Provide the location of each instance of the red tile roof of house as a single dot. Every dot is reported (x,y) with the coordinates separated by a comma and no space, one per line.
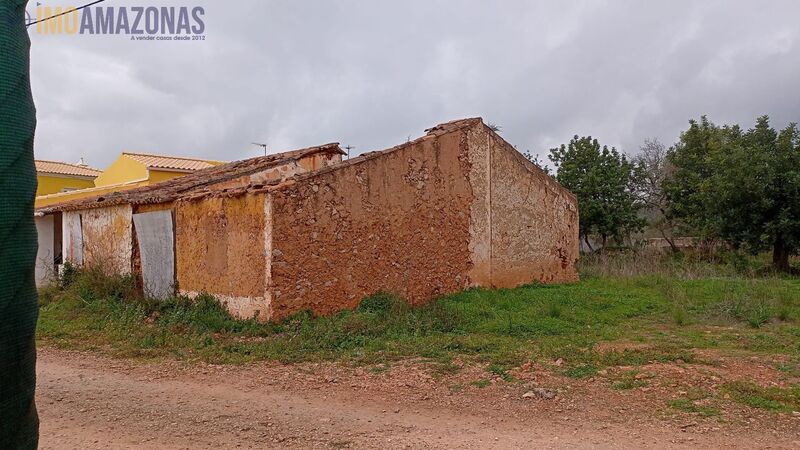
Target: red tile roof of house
(170,162)
(62,168)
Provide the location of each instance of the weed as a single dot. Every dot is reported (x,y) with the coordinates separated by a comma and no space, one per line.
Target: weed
(679,316)
(693,407)
(774,399)
(501,372)
(581,371)
(758,316)
(482,383)
(554,310)
(629,380)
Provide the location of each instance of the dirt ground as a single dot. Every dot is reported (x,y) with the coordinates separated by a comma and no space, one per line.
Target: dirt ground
(88,401)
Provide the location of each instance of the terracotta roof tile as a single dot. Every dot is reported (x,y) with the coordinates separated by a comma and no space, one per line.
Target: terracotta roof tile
(170,162)
(62,168)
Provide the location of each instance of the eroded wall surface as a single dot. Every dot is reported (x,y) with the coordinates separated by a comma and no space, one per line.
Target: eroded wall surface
(534,222)
(220,249)
(398,223)
(73,237)
(106,235)
(480,226)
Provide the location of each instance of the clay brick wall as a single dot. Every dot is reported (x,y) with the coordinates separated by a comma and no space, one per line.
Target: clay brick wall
(220,249)
(398,222)
(534,223)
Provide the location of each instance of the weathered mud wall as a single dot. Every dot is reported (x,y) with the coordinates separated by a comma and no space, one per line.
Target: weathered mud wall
(274,173)
(534,223)
(318,161)
(480,230)
(398,223)
(107,240)
(220,249)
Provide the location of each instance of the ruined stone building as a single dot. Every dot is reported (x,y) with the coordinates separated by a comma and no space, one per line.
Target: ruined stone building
(304,230)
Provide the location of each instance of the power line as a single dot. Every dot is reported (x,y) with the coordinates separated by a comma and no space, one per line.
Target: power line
(66,12)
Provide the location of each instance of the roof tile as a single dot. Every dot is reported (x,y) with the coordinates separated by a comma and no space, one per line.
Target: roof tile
(62,168)
(170,162)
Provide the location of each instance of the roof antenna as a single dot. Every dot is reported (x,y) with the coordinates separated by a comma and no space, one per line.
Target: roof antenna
(264,146)
(348,148)
(81,163)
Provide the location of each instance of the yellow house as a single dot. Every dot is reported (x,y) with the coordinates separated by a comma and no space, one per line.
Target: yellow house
(149,168)
(55,177)
(129,171)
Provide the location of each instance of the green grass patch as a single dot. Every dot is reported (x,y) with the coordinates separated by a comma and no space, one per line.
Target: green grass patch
(696,401)
(482,383)
(501,328)
(690,406)
(773,398)
(501,372)
(581,371)
(629,380)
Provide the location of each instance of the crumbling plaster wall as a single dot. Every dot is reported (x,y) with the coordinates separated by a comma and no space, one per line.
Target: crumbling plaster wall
(220,249)
(107,241)
(398,222)
(534,223)
(480,231)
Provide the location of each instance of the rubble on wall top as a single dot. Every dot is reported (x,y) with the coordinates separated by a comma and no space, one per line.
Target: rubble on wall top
(431,133)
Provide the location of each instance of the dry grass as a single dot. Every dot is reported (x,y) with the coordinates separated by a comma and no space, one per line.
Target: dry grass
(681,266)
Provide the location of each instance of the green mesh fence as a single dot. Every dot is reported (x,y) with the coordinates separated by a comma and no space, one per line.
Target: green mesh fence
(18,303)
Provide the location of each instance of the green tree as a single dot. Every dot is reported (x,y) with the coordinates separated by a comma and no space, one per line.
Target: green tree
(689,192)
(604,182)
(743,187)
(757,191)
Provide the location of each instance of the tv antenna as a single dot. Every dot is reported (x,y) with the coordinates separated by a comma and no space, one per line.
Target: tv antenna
(264,146)
(348,148)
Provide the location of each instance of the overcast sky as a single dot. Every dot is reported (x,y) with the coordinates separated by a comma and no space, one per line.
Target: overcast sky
(372,73)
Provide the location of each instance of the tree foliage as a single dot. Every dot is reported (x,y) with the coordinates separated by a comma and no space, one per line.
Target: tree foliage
(604,182)
(743,187)
(536,161)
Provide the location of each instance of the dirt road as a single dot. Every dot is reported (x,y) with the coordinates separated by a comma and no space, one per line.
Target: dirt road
(89,401)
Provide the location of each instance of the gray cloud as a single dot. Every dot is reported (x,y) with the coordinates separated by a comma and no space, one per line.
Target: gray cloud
(369,74)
